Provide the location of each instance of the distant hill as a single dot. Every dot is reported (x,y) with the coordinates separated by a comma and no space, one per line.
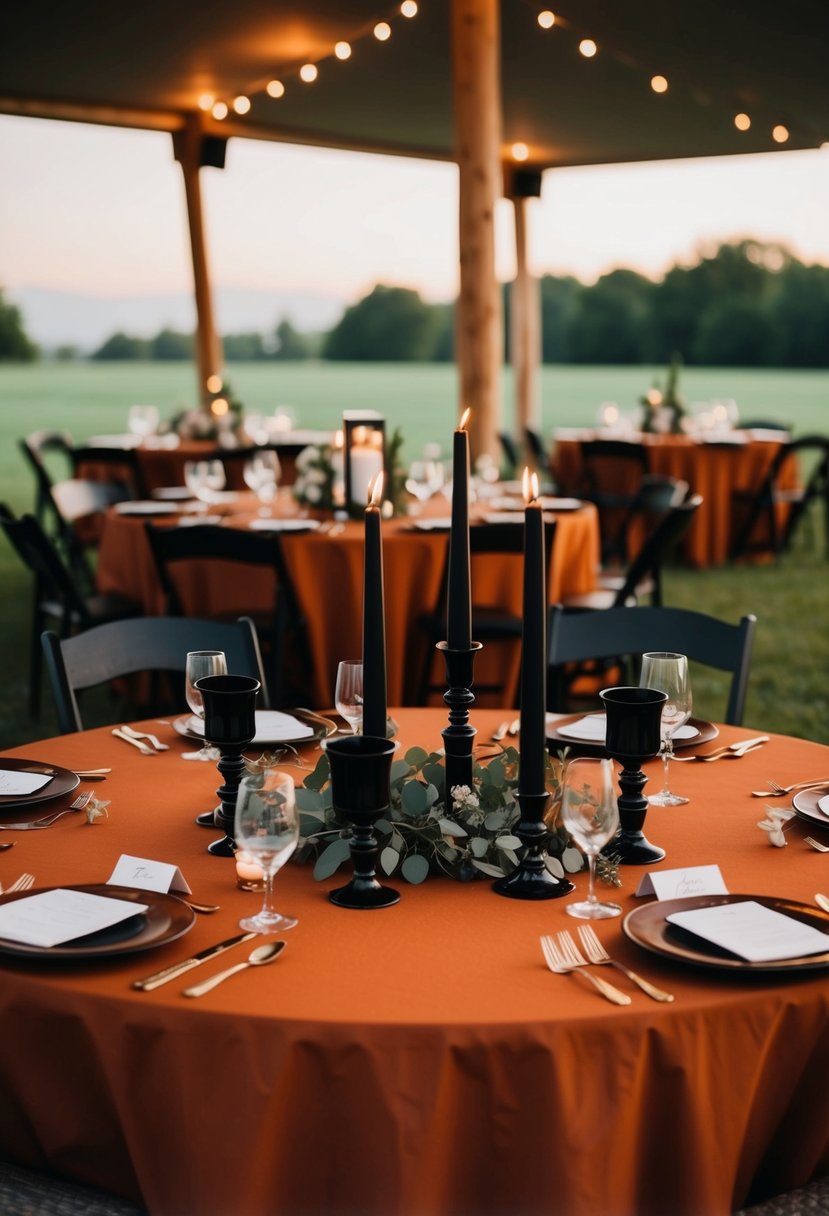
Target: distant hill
(56,318)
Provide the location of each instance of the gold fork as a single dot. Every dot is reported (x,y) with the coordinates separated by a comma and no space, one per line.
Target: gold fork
(563,964)
(596,953)
(776,790)
(816,844)
(23,883)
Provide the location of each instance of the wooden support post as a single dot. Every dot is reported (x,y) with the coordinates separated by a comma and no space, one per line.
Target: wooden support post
(188,148)
(525,332)
(479,328)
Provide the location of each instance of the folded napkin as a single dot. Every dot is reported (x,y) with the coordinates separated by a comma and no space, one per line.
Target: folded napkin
(284,525)
(271,727)
(591,729)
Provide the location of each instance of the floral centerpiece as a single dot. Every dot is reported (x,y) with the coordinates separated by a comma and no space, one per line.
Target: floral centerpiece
(470,835)
(664,410)
(220,421)
(319,482)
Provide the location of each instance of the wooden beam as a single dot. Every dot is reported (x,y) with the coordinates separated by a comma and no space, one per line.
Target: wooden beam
(479,329)
(188,149)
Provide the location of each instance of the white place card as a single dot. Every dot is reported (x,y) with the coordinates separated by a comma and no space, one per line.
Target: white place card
(51,918)
(679,884)
(147,875)
(17,784)
(753,932)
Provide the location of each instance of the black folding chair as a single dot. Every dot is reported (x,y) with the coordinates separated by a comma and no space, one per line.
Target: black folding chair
(612,475)
(616,634)
(37,448)
(768,518)
(145,644)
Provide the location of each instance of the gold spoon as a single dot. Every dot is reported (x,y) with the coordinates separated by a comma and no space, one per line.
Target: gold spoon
(199,907)
(257,958)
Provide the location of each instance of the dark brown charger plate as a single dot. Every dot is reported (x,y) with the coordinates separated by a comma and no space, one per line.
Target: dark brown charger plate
(805,804)
(647,927)
(707,732)
(166,919)
(63,782)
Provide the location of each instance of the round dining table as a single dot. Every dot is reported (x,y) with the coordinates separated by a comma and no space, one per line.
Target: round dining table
(719,469)
(325,563)
(416,1060)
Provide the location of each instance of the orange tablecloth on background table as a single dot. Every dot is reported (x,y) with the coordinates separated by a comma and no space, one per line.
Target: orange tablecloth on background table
(328,574)
(713,470)
(419,1060)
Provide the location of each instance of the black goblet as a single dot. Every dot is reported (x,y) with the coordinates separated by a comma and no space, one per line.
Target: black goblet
(633,735)
(229,724)
(360,792)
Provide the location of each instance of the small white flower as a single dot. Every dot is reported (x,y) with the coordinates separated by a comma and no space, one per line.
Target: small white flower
(773,824)
(463,798)
(313,493)
(306,457)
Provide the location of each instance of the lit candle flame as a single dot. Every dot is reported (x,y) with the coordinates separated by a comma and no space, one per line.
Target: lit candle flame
(529,485)
(338,439)
(375,490)
(464,419)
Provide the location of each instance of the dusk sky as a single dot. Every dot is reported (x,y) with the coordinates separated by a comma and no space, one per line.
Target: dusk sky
(100,211)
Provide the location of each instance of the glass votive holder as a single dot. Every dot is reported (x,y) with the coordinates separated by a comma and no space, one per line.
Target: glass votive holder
(249,876)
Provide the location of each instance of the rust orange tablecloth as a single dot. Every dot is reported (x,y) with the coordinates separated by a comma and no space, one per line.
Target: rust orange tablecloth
(713,470)
(328,575)
(420,1060)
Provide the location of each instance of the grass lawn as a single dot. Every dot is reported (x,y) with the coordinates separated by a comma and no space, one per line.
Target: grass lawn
(789,689)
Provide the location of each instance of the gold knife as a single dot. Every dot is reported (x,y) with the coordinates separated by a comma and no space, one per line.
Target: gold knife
(170,973)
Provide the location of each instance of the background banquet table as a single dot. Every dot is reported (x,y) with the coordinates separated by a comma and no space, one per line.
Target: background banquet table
(327,571)
(716,470)
(420,1059)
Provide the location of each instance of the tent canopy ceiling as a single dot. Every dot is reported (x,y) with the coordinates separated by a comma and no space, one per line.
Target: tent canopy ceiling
(148,65)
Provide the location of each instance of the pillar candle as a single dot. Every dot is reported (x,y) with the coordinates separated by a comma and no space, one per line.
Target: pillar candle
(459,597)
(533,646)
(374,620)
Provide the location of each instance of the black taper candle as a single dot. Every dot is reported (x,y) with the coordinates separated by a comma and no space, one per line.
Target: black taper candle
(374,620)
(459,596)
(531,778)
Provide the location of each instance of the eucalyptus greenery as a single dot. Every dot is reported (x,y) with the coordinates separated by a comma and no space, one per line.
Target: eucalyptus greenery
(422,835)
(314,483)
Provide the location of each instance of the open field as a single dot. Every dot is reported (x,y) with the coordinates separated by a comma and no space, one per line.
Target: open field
(789,691)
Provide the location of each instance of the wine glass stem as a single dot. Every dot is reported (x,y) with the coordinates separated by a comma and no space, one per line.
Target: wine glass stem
(591,878)
(667,753)
(267,903)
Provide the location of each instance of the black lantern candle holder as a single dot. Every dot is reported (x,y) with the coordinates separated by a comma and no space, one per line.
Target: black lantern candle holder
(364,433)
(633,735)
(229,724)
(361,793)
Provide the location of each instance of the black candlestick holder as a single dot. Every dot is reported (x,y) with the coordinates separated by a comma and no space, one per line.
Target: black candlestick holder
(361,793)
(458,735)
(229,724)
(633,735)
(531,879)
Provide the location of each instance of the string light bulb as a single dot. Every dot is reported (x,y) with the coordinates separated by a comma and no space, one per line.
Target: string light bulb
(241,105)
(546,19)
(308,73)
(275,88)
(343,50)
(742,122)
(520,151)
(206,101)
(408,8)
(219,110)
(588,48)
(382,31)
(780,134)
(659,84)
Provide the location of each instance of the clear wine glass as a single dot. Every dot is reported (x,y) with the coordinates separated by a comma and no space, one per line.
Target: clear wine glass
(143,420)
(261,474)
(591,816)
(267,829)
(348,693)
(202,663)
(668,672)
(425,477)
(204,478)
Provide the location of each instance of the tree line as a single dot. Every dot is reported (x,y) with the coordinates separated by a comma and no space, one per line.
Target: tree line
(743,304)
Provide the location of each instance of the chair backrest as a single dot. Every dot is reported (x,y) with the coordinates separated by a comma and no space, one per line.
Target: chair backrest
(576,637)
(53,578)
(35,447)
(612,458)
(485,540)
(656,548)
(763,503)
(122,467)
(535,445)
(510,450)
(142,644)
(77,498)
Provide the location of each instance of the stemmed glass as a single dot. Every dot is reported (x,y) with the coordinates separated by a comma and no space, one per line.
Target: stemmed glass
(348,693)
(668,672)
(202,663)
(591,816)
(267,829)
(424,479)
(142,420)
(261,474)
(204,478)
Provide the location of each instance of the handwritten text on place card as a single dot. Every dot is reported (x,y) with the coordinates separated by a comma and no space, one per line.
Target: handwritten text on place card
(147,875)
(17,784)
(53,917)
(753,931)
(679,884)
